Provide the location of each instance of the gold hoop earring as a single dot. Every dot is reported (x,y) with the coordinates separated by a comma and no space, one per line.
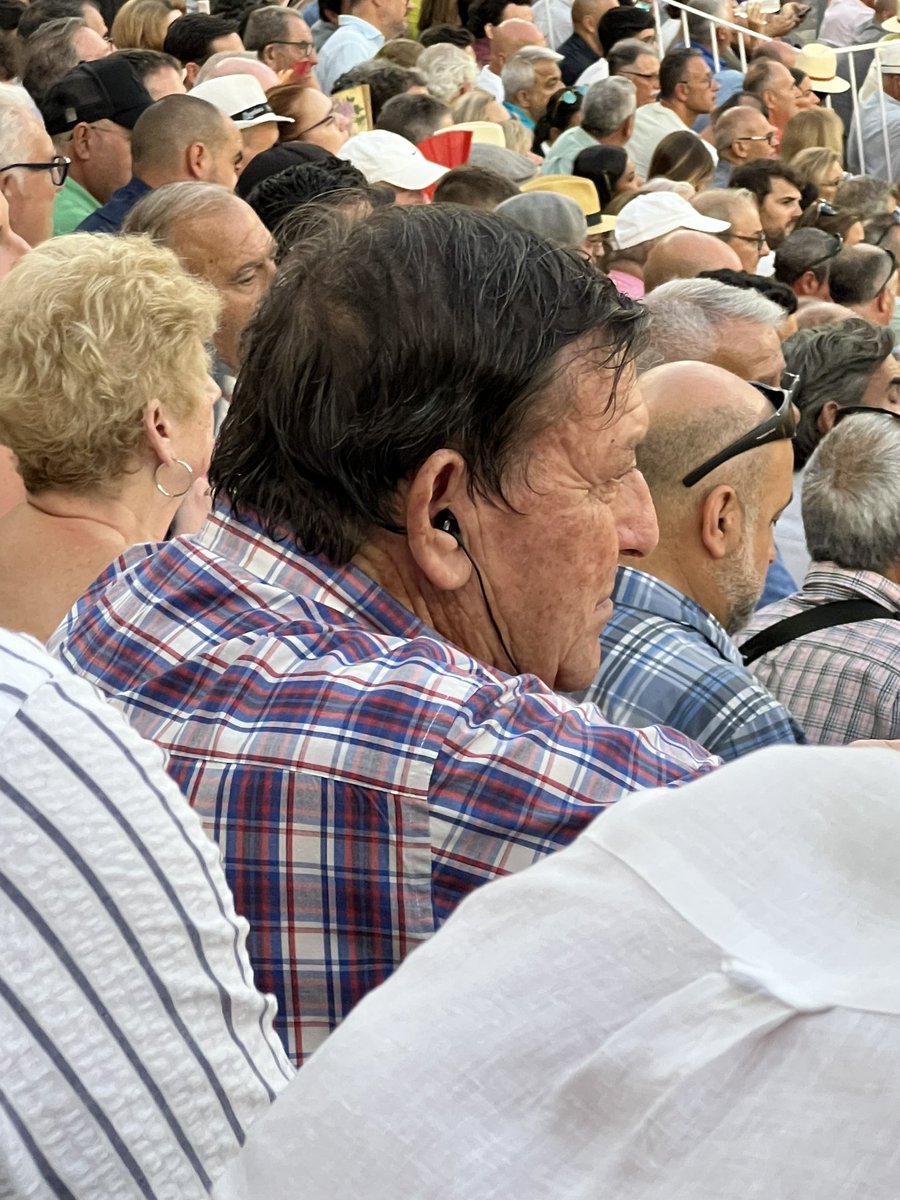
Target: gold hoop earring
(187,487)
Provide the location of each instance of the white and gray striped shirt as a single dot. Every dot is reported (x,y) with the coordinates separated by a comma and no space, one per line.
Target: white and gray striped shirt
(135,1051)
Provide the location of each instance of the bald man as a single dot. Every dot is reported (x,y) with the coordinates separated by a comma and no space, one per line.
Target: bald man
(741,135)
(583,48)
(178,139)
(684,254)
(666,654)
(507,39)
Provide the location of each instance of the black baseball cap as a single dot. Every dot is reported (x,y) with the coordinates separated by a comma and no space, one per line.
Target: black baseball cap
(109,89)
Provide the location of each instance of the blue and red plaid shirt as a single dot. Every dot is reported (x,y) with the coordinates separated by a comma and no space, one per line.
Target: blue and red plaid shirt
(360,774)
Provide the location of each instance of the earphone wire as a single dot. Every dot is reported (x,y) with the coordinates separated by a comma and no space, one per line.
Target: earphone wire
(487,605)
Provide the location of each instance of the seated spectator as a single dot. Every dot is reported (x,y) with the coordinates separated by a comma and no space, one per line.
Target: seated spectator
(276,200)
(687,91)
(384,80)
(238,62)
(841,365)
(717,460)
(437,35)
(507,39)
(30,170)
(343,625)
(583,48)
(813,313)
(787,853)
(414,117)
(609,169)
(241,98)
(637,61)
(884,230)
(529,79)
(279,158)
(640,225)
(841,680)
(387,158)
(218,238)
(314,120)
(563,113)
(822,168)
(803,261)
(845,223)
(777,192)
(42,11)
(178,138)
(557,219)
(741,136)
(90,114)
(683,255)
(195,37)
(479,105)
(406,53)
(283,41)
(474,187)
(682,156)
(881,108)
(360,33)
(159,73)
(607,118)
(738,207)
(814,129)
(866,196)
(136,1052)
(772,83)
(330,11)
(622,23)
(449,72)
(143,24)
(864,279)
(486,16)
(517,168)
(708,321)
(107,440)
(766,286)
(54,50)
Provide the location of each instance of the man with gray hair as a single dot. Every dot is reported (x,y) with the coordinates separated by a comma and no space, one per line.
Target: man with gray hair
(864,279)
(741,135)
(708,321)
(529,80)
(30,170)
(831,652)
(507,39)
(639,62)
(281,38)
(738,207)
(607,118)
(449,72)
(54,49)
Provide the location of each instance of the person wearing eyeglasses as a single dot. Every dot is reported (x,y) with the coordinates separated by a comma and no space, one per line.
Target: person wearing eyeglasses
(717,459)
(864,279)
(687,90)
(744,234)
(831,651)
(283,41)
(741,135)
(638,62)
(31,172)
(315,121)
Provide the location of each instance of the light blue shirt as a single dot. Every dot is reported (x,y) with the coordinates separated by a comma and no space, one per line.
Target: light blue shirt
(564,151)
(356,41)
(873,138)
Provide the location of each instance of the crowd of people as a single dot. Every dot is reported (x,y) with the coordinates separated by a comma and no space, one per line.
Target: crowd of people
(440,446)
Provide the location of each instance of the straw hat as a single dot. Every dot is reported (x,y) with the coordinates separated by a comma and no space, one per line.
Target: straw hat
(820,64)
(484,133)
(582,191)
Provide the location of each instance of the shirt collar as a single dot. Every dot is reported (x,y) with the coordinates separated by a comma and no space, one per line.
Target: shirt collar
(364,27)
(837,583)
(638,590)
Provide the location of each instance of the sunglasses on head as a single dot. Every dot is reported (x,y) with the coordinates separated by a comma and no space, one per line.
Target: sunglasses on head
(894,219)
(779,427)
(861,408)
(834,250)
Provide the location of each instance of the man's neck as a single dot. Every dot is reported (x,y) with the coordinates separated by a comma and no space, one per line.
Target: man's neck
(671,572)
(680,110)
(591,41)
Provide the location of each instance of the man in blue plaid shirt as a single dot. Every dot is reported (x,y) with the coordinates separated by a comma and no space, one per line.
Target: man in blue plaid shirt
(423,485)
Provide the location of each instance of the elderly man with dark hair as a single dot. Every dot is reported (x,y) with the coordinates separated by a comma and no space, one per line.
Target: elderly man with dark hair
(607,118)
(687,90)
(357,666)
(864,278)
(717,460)
(832,651)
(859,355)
(177,139)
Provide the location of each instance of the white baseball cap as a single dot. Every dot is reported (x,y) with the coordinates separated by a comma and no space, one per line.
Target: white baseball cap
(240,97)
(655,215)
(385,157)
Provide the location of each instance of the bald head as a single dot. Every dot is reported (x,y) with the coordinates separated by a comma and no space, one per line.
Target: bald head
(509,37)
(739,123)
(228,63)
(812,312)
(184,138)
(684,254)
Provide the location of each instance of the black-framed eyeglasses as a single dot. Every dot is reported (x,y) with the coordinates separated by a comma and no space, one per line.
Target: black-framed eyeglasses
(757,137)
(834,249)
(779,427)
(304,47)
(758,239)
(642,74)
(861,408)
(58,168)
(894,220)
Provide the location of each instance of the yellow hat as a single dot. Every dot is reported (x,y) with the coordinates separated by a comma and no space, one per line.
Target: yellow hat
(486,133)
(582,191)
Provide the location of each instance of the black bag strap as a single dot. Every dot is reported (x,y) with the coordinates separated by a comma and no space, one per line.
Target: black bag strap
(823,616)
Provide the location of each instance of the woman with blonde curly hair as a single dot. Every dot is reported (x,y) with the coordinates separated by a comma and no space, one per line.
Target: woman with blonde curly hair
(143,24)
(107,404)
(479,105)
(820,166)
(815,127)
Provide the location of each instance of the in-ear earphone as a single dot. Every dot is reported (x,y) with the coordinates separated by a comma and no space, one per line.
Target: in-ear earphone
(447,523)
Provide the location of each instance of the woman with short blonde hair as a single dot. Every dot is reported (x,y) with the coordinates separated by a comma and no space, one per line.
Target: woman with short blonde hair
(106,402)
(820,166)
(814,127)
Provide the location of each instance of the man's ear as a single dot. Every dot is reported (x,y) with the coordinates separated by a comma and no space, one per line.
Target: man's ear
(825,419)
(79,147)
(191,71)
(439,484)
(721,522)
